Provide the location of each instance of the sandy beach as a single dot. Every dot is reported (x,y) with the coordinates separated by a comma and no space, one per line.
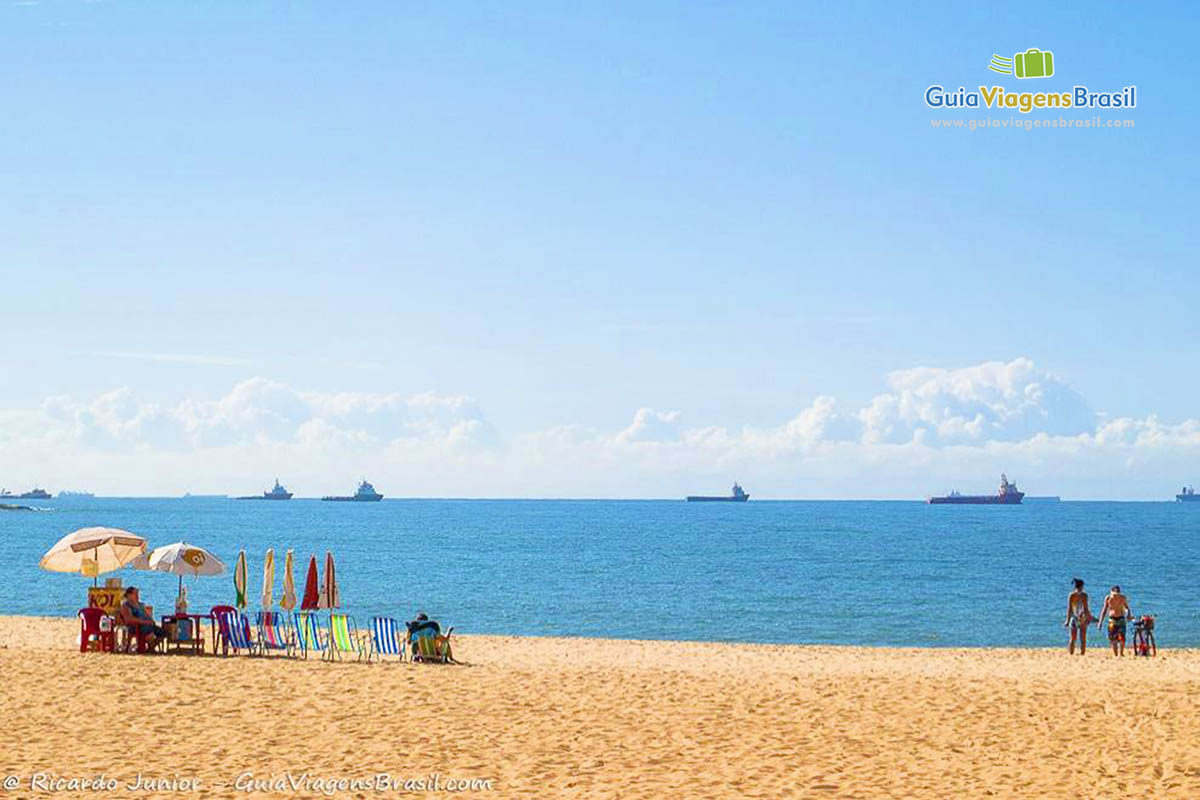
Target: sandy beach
(529,717)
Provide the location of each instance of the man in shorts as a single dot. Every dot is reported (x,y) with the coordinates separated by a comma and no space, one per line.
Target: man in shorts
(1116,608)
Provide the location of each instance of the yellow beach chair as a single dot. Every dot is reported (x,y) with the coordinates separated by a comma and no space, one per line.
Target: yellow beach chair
(343,637)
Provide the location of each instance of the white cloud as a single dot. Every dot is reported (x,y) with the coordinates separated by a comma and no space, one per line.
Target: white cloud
(260,411)
(990,402)
(651,426)
(932,430)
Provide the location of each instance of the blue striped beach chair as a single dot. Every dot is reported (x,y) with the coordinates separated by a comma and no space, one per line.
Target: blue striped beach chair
(386,639)
(307,626)
(234,629)
(273,633)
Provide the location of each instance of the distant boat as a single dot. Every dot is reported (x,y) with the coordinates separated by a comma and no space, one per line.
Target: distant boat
(34,494)
(1008,495)
(366,494)
(70,493)
(1188,495)
(277,493)
(736,495)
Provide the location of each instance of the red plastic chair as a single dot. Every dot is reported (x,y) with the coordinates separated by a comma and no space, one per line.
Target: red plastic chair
(89,627)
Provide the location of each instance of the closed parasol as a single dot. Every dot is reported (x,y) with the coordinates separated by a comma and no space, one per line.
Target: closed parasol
(329,589)
(288,601)
(310,600)
(268,592)
(239,580)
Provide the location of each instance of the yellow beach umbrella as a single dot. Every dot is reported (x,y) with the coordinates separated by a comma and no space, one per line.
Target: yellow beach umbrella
(288,601)
(268,592)
(239,580)
(93,551)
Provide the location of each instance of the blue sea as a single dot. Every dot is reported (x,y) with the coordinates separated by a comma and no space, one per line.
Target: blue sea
(863,573)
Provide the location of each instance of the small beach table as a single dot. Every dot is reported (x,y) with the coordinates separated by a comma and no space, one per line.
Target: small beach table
(193,645)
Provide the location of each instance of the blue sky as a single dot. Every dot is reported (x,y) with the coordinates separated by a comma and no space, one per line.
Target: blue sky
(719,211)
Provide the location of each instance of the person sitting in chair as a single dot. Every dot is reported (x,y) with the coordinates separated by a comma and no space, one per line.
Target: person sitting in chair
(422,627)
(134,617)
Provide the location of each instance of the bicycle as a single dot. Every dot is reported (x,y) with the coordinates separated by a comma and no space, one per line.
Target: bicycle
(1143,636)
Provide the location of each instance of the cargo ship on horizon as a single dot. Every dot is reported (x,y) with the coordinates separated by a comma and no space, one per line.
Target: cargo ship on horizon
(1188,495)
(736,495)
(366,494)
(1008,495)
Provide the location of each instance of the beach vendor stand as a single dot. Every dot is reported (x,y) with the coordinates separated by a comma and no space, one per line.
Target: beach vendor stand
(92,552)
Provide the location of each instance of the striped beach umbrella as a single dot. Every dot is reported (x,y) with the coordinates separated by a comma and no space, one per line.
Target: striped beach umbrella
(288,601)
(329,588)
(310,600)
(268,592)
(239,580)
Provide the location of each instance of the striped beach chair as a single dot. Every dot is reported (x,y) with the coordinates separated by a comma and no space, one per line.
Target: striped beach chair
(309,636)
(273,633)
(343,637)
(386,639)
(234,630)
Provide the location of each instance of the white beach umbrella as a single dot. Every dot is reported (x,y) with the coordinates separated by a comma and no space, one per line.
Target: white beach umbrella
(268,591)
(93,551)
(288,601)
(182,559)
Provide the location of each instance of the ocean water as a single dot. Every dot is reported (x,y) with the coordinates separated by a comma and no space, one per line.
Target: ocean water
(867,573)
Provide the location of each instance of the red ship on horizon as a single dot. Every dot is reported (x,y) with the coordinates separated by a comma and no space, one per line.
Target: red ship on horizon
(1008,495)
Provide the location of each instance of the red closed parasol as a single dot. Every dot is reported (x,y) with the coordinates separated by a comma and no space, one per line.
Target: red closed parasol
(311,598)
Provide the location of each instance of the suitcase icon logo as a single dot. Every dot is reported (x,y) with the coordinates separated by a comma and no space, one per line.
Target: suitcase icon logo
(1033,63)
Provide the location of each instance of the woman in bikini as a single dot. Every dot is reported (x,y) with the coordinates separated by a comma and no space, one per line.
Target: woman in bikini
(1078,617)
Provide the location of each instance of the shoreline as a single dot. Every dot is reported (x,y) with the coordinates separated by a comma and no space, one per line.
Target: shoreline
(1097,640)
(541,716)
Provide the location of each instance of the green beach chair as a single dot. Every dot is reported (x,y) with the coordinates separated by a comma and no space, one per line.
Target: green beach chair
(429,645)
(343,637)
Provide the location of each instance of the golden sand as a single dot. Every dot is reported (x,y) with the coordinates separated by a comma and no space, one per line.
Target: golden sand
(601,718)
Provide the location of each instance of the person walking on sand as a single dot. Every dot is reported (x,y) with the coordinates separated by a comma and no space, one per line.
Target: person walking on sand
(1116,608)
(1079,616)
